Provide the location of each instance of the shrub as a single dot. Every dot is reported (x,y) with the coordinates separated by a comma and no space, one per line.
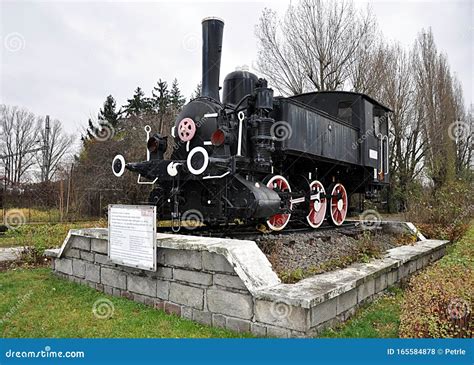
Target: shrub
(439,300)
(438,303)
(453,204)
(452,232)
(442,214)
(32,255)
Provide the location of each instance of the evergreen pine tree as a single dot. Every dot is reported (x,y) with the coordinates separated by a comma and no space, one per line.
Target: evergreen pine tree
(108,114)
(138,104)
(161,97)
(177,100)
(197,91)
(91,130)
(161,101)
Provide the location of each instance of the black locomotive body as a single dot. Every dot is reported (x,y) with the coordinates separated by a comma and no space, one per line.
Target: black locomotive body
(256,158)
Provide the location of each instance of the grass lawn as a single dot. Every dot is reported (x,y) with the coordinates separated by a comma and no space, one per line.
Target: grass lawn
(8,242)
(34,303)
(37,215)
(45,235)
(379,319)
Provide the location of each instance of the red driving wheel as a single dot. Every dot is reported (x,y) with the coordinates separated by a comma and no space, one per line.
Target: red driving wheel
(339,204)
(279,221)
(317,204)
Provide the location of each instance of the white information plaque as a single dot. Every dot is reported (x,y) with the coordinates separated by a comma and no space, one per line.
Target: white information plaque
(132,235)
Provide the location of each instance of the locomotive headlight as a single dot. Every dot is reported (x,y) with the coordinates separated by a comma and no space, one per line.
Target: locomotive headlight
(218,138)
(152,144)
(156,143)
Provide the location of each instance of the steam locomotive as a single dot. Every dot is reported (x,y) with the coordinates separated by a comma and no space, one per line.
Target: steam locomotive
(259,159)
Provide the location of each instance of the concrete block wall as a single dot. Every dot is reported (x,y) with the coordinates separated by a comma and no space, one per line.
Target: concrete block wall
(313,304)
(230,283)
(201,286)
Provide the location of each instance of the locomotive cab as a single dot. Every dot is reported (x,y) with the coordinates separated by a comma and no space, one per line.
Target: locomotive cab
(368,118)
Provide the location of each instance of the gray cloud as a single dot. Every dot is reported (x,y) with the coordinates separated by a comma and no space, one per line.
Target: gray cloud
(76,53)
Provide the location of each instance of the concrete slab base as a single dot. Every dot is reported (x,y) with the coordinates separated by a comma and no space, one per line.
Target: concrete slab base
(10,253)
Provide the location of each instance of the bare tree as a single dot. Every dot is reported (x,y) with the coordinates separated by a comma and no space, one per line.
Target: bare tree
(368,70)
(277,59)
(314,47)
(18,138)
(397,89)
(59,144)
(435,95)
(462,131)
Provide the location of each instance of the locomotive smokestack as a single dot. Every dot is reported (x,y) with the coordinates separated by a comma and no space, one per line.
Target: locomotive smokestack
(212,30)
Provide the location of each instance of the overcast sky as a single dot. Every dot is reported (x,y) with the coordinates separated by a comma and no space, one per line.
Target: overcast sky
(63,58)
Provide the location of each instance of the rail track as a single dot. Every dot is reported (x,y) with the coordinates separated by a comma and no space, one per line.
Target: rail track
(246,232)
(241,231)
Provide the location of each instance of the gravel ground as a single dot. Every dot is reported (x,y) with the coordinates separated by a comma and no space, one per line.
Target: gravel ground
(299,255)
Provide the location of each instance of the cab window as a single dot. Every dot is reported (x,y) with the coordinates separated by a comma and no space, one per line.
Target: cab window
(344,111)
(376,126)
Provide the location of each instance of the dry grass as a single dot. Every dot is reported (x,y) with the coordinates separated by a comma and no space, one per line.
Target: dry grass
(439,301)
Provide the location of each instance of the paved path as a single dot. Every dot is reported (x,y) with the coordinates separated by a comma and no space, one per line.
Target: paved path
(10,253)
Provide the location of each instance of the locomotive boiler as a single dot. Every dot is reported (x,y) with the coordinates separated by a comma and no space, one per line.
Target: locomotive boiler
(256,158)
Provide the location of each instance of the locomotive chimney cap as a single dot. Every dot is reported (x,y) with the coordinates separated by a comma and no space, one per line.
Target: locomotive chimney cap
(212,31)
(212,18)
(242,68)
